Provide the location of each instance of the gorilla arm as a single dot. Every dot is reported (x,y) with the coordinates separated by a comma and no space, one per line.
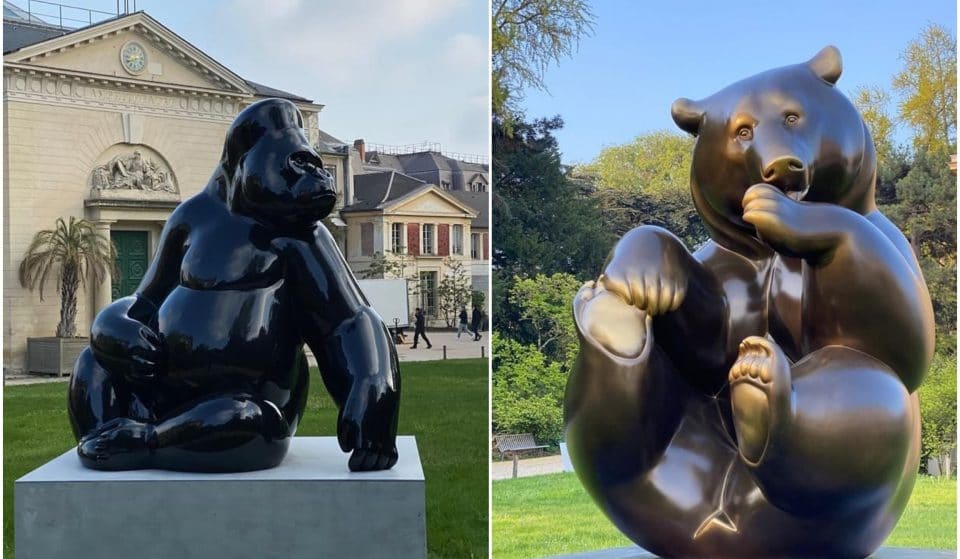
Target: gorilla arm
(123,336)
(863,288)
(357,360)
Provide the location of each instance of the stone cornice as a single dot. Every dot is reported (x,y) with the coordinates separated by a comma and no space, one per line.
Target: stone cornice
(131,204)
(66,89)
(120,82)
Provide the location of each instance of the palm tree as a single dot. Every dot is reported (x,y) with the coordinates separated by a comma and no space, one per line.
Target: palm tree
(78,251)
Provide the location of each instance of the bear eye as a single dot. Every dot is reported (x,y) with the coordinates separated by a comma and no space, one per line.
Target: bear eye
(791,120)
(745,133)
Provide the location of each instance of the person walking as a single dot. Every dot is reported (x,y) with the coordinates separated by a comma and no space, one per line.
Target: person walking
(477,319)
(462,327)
(420,329)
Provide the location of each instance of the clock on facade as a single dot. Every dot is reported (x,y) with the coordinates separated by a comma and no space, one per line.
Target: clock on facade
(133,57)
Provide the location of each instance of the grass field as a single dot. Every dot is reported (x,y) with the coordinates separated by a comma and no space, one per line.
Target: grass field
(444,405)
(552,514)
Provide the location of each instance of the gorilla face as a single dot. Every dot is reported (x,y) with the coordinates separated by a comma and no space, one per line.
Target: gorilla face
(284,179)
(275,175)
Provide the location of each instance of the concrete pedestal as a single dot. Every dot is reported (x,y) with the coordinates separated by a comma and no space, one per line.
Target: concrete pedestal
(882,553)
(309,506)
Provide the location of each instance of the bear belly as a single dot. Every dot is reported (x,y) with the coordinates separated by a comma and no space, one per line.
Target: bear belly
(228,337)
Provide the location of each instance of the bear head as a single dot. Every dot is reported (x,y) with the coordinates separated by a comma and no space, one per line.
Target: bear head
(271,171)
(789,127)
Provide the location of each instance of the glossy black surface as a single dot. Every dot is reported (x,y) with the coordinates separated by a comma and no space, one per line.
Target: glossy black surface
(757,397)
(203,368)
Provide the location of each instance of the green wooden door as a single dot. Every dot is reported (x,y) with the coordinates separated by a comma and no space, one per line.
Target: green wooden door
(132,247)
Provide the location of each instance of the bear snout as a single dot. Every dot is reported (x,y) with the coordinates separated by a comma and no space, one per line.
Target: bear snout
(788,173)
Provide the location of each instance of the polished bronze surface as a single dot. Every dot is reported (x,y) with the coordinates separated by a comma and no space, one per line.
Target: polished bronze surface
(757,397)
(203,368)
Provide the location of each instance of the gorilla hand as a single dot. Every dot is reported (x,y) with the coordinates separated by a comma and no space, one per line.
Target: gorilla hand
(125,344)
(618,327)
(367,425)
(648,269)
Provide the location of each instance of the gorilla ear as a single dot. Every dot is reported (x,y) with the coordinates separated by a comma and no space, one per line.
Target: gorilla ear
(687,114)
(827,64)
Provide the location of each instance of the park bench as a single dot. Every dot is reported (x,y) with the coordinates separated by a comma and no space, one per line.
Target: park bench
(513,445)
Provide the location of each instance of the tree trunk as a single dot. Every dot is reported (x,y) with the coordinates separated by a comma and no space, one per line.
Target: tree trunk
(69,284)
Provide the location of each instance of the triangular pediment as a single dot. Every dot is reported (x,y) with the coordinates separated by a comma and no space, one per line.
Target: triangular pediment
(96,50)
(429,200)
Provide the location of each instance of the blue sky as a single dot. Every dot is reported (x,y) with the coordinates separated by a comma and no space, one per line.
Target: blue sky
(389,71)
(643,55)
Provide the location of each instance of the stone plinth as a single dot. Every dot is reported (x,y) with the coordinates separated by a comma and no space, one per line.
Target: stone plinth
(882,553)
(309,506)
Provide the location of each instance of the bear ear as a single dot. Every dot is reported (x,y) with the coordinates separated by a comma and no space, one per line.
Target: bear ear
(687,114)
(827,64)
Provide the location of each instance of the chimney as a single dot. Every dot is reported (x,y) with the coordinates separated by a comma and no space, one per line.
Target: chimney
(361,147)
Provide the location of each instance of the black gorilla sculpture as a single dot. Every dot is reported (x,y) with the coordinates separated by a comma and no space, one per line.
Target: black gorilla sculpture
(203,368)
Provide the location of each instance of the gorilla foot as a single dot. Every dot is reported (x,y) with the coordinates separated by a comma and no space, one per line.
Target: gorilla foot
(119,444)
(760,387)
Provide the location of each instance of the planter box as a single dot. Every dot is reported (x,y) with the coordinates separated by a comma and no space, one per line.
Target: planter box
(54,356)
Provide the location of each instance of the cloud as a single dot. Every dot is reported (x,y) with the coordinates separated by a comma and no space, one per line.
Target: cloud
(340,38)
(394,71)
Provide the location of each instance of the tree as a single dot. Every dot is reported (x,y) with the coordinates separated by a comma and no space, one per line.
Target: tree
(653,162)
(453,291)
(527,391)
(925,210)
(544,302)
(544,223)
(381,266)
(646,181)
(527,36)
(938,411)
(78,251)
(928,86)
(872,102)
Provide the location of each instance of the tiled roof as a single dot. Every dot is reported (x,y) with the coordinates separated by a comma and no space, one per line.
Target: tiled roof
(372,190)
(478,201)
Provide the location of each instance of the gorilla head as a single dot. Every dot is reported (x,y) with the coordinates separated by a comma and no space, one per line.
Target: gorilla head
(272,173)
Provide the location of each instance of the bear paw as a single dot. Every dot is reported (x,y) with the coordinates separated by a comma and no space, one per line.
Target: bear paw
(760,391)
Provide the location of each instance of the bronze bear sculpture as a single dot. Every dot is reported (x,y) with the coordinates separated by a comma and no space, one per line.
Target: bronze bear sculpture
(757,397)
(203,368)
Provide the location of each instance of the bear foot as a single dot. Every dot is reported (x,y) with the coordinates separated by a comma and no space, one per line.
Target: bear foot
(760,388)
(119,444)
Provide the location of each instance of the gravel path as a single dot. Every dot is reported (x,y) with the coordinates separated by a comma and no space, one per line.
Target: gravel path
(527,467)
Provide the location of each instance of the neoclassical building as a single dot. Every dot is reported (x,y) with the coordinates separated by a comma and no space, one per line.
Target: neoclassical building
(120,121)
(424,212)
(117,123)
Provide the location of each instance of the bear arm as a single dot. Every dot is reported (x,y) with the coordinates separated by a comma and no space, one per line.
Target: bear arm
(865,294)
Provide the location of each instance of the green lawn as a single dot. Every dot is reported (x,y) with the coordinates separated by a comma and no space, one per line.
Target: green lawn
(552,514)
(444,405)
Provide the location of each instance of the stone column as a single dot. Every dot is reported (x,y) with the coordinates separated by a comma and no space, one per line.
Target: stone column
(103,291)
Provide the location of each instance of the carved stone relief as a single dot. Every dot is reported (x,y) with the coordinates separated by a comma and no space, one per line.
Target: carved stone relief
(132,171)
